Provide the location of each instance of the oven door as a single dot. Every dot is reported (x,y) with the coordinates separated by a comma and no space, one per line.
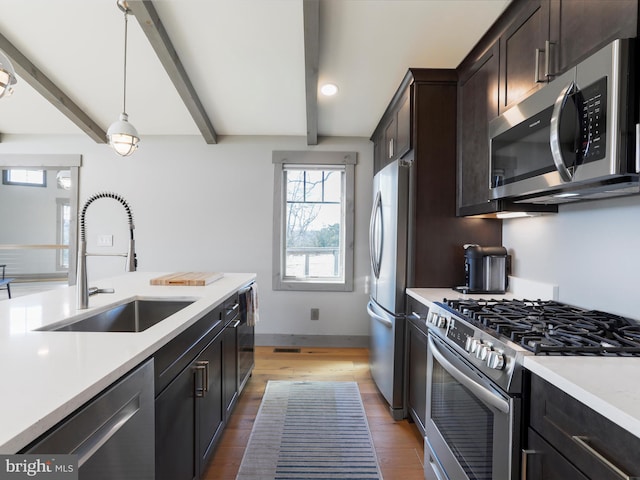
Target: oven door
(472,428)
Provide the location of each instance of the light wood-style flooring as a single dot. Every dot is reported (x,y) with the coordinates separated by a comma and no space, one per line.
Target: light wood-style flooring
(398,444)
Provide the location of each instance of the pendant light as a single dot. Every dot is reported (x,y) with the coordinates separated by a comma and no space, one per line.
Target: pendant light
(7,76)
(121,135)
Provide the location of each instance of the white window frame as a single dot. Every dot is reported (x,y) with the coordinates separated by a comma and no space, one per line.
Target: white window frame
(312,159)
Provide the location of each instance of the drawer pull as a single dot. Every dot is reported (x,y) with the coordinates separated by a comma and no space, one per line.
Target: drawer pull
(583,442)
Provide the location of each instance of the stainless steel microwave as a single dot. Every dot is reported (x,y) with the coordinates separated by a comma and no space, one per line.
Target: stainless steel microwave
(575,138)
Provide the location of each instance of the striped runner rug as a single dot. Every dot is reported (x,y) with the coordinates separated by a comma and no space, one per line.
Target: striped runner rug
(310,430)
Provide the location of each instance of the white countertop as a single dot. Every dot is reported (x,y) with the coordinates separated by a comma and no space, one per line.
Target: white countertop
(47,375)
(608,385)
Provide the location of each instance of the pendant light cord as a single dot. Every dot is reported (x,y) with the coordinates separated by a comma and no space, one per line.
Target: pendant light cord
(124,93)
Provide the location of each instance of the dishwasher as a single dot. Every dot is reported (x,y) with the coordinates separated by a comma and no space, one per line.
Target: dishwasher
(112,434)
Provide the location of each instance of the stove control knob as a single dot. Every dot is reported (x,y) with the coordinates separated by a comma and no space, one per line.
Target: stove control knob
(441,322)
(474,345)
(468,344)
(495,360)
(482,351)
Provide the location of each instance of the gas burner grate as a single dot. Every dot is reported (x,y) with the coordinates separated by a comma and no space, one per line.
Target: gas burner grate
(547,327)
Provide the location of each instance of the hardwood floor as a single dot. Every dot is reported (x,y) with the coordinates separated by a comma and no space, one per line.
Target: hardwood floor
(398,444)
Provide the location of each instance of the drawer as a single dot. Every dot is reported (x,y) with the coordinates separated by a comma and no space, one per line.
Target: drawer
(544,462)
(231,308)
(594,444)
(417,314)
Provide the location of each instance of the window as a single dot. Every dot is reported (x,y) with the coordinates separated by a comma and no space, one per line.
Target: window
(313,221)
(63,228)
(25,177)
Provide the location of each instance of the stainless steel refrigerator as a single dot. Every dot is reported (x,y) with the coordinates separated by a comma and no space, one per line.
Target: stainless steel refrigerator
(388,239)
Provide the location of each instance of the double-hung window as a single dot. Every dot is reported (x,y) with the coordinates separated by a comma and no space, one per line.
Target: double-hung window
(313,221)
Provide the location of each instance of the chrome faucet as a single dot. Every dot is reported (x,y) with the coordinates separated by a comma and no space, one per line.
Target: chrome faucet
(82,289)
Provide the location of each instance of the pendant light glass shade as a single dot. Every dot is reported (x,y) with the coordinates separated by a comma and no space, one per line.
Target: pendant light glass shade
(7,76)
(121,135)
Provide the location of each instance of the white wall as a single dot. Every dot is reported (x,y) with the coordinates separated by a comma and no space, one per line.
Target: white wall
(591,250)
(200,207)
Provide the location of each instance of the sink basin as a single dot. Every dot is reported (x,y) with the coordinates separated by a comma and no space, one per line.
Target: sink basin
(134,316)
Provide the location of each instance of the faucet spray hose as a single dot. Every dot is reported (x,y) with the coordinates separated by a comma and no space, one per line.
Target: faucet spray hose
(95,197)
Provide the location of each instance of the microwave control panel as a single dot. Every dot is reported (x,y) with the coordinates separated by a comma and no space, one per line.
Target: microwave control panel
(594,121)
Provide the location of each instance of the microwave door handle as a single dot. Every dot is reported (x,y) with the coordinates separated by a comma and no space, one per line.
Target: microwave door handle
(554,136)
(375,230)
(484,394)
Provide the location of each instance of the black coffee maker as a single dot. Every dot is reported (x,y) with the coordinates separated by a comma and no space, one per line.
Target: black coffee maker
(486,269)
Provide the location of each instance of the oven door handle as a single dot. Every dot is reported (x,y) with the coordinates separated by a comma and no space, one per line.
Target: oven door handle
(487,396)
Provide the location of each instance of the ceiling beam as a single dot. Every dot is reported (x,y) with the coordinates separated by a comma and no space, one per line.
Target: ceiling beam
(50,91)
(311,15)
(152,26)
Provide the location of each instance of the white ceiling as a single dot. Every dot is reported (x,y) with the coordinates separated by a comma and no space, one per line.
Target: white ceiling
(245,59)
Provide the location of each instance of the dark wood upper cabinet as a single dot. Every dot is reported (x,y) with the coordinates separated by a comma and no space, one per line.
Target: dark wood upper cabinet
(392,138)
(522,54)
(580,27)
(477,104)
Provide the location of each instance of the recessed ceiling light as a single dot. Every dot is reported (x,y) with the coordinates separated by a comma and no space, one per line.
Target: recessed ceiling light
(329,89)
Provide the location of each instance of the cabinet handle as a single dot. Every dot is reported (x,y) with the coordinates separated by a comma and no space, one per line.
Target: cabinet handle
(583,442)
(547,63)
(547,59)
(202,367)
(391,148)
(523,463)
(536,67)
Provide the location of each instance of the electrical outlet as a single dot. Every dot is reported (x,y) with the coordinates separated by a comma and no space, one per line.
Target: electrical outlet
(315,314)
(105,240)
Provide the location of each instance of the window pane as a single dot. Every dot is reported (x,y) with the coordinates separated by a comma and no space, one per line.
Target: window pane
(294,180)
(314,186)
(313,228)
(333,186)
(22,176)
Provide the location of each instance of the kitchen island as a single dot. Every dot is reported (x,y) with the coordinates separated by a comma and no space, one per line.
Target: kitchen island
(47,375)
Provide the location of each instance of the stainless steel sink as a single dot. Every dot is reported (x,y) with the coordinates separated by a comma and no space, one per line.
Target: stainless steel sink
(134,316)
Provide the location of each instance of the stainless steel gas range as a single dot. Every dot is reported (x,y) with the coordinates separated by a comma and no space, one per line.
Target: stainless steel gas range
(475,376)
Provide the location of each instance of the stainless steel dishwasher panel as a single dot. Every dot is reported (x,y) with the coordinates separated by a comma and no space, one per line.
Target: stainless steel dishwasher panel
(113,434)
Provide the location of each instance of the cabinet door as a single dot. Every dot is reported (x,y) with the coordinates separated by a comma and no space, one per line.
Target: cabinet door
(579,28)
(403,122)
(417,375)
(209,412)
(477,105)
(518,59)
(230,367)
(175,429)
(390,141)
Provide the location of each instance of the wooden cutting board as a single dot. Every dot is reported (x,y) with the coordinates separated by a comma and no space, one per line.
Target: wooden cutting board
(188,279)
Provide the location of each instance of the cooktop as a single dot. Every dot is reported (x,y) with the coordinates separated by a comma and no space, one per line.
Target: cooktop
(547,327)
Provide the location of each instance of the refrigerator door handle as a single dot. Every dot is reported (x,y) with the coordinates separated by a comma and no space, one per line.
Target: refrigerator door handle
(375,235)
(386,322)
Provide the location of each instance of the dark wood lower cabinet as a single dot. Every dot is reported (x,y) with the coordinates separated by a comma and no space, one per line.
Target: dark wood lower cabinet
(209,410)
(417,373)
(192,411)
(230,367)
(175,429)
(567,440)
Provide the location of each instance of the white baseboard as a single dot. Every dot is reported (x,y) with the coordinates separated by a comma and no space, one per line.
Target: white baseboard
(283,340)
